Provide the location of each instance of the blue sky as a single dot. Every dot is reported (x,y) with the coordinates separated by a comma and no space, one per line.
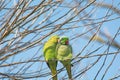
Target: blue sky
(78,44)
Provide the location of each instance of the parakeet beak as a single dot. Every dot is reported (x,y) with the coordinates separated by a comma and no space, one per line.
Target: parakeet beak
(67,42)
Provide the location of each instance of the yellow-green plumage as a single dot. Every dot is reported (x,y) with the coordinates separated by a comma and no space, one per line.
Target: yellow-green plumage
(64,54)
(50,55)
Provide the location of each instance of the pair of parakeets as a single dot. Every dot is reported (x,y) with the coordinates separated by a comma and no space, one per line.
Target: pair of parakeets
(58,49)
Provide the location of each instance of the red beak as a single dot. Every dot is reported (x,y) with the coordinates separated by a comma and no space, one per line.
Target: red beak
(67,42)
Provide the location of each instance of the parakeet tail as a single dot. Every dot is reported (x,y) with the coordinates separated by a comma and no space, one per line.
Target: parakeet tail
(67,65)
(68,68)
(52,65)
(54,74)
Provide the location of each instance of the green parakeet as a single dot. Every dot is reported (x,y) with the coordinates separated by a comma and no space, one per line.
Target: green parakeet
(64,54)
(50,56)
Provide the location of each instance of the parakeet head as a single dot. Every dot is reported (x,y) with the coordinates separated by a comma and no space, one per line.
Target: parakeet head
(64,40)
(54,38)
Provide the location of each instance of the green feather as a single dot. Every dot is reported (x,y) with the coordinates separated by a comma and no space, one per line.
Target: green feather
(49,54)
(64,54)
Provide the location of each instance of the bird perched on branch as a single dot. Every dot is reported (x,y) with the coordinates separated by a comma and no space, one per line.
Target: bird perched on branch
(64,54)
(50,56)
